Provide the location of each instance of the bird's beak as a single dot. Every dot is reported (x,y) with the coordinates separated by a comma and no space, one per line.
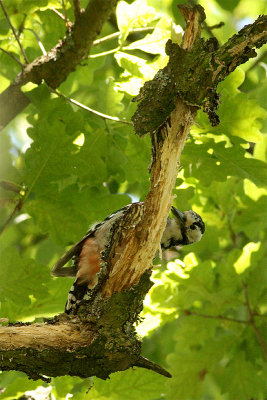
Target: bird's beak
(178,214)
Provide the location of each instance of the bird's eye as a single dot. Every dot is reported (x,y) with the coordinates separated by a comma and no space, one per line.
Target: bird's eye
(192,227)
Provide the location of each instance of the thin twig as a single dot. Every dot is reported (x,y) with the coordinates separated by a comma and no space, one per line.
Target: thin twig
(221,317)
(208,29)
(255,314)
(14,32)
(204,23)
(216,26)
(12,55)
(148,364)
(117,35)
(104,116)
(64,9)
(38,40)
(58,13)
(11,216)
(11,186)
(105,53)
(257,61)
(77,8)
(113,36)
(21,26)
(252,321)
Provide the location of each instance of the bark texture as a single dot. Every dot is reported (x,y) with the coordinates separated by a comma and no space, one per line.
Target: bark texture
(59,62)
(94,343)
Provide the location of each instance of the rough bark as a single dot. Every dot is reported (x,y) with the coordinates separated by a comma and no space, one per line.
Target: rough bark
(91,344)
(59,62)
(101,339)
(193,76)
(144,227)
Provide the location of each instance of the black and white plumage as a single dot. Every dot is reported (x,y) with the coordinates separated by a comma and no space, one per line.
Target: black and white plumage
(183,229)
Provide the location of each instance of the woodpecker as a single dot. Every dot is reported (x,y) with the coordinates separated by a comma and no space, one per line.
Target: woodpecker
(183,229)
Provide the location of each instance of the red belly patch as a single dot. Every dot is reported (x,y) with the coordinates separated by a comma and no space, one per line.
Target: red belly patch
(89,263)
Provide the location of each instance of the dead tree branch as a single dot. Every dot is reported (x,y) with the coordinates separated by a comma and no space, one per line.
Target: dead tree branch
(59,62)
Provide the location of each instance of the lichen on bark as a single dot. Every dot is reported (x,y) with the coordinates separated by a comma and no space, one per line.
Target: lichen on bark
(193,76)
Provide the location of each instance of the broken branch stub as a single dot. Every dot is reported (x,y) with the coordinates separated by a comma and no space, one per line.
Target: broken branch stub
(193,72)
(136,244)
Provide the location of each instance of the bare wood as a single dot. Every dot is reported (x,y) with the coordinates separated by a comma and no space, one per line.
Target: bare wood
(94,343)
(142,241)
(44,336)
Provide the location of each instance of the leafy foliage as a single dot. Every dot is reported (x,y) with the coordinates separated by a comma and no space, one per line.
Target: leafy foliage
(74,168)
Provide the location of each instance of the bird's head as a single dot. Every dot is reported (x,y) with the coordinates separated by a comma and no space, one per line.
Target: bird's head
(191,225)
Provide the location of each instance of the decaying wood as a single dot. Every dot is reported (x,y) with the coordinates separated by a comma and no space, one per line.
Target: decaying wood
(140,244)
(91,344)
(42,336)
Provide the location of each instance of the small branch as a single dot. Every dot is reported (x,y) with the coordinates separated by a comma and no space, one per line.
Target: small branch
(252,321)
(105,53)
(12,56)
(77,8)
(113,36)
(21,26)
(117,35)
(216,26)
(38,40)
(255,314)
(257,61)
(11,216)
(208,28)
(64,9)
(61,60)
(204,23)
(247,301)
(221,317)
(14,32)
(82,106)
(11,186)
(59,14)
(145,363)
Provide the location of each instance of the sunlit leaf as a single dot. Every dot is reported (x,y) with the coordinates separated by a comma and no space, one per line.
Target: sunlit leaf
(234,106)
(243,261)
(137,14)
(142,383)
(155,42)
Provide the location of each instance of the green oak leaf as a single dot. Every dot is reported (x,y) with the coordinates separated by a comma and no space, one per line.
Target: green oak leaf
(239,115)
(130,16)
